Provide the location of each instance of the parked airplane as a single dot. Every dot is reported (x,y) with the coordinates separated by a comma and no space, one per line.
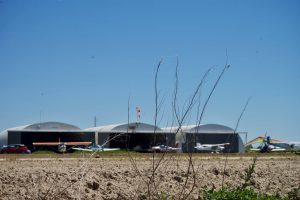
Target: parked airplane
(210,148)
(164,148)
(61,146)
(97,147)
(267,145)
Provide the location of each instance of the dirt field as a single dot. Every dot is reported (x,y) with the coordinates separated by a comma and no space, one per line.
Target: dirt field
(106,177)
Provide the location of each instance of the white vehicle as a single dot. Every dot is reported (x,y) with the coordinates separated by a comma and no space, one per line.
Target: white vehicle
(210,148)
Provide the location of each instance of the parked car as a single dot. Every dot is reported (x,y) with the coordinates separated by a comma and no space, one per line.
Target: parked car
(15,148)
(1,147)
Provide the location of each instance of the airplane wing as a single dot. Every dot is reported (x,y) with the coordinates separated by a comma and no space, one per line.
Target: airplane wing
(262,139)
(82,149)
(222,144)
(58,143)
(272,150)
(46,143)
(276,141)
(278,150)
(259,139)
(215,145)
(255,149)
(100,149)
(164,148)
(77,143)
(110,149)
(173,149)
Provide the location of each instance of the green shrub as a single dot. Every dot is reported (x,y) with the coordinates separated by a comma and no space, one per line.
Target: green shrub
(238,194)
(244,192)
(294,194)
(249,174)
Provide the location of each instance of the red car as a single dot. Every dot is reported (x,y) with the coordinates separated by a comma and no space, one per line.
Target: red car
(15,148)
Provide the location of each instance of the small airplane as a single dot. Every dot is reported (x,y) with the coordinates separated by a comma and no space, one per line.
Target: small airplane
(61,146)
(96,147)
(210,148)
(164,148)
(267,145)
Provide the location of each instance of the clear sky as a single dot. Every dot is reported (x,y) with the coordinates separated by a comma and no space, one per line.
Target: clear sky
(73,60)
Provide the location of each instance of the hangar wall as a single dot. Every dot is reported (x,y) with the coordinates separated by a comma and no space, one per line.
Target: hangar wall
(142,141)
(135,136)
(95,137)
(41,132)
(3,137)
(14,137)
(211,138)
(189,135)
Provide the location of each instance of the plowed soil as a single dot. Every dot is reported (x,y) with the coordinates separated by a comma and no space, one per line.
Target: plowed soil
(126,177)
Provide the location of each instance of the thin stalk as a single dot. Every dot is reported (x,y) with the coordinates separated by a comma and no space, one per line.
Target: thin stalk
(235,132)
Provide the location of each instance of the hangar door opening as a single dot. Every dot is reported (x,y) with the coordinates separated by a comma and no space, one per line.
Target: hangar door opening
(27,138)
(137,141)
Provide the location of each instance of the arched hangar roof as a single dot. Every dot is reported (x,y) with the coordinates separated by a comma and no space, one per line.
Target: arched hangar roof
(135,127)
(39,127)
(203,128)
(211,128)
(46,126)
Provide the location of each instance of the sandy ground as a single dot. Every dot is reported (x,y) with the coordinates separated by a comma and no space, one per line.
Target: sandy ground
(119,177)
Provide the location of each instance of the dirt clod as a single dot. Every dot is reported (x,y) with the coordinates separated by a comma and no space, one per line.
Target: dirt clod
(178,179)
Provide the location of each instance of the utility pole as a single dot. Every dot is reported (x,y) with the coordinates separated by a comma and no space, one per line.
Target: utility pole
(96,133)
(95,121)
(42,94)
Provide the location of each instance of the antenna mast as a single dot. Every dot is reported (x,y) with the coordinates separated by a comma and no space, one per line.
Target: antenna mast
(42,94)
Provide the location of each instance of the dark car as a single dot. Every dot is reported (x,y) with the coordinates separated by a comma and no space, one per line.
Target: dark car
(15,148)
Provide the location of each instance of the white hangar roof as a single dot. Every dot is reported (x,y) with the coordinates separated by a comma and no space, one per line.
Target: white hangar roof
(203,128)
(39,127)
(46,126)
(135,127)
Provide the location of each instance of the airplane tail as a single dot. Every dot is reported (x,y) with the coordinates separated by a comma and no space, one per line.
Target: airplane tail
(268,140)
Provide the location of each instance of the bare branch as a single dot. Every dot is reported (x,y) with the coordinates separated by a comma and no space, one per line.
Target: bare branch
(235,132)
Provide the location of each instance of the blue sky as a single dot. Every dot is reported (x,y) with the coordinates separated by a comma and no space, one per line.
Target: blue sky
(73,60)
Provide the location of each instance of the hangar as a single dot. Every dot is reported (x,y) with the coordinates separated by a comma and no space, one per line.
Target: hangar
(135,136)
(188,136)
(42,132)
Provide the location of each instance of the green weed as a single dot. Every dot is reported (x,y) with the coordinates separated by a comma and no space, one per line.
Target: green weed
(238,194)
